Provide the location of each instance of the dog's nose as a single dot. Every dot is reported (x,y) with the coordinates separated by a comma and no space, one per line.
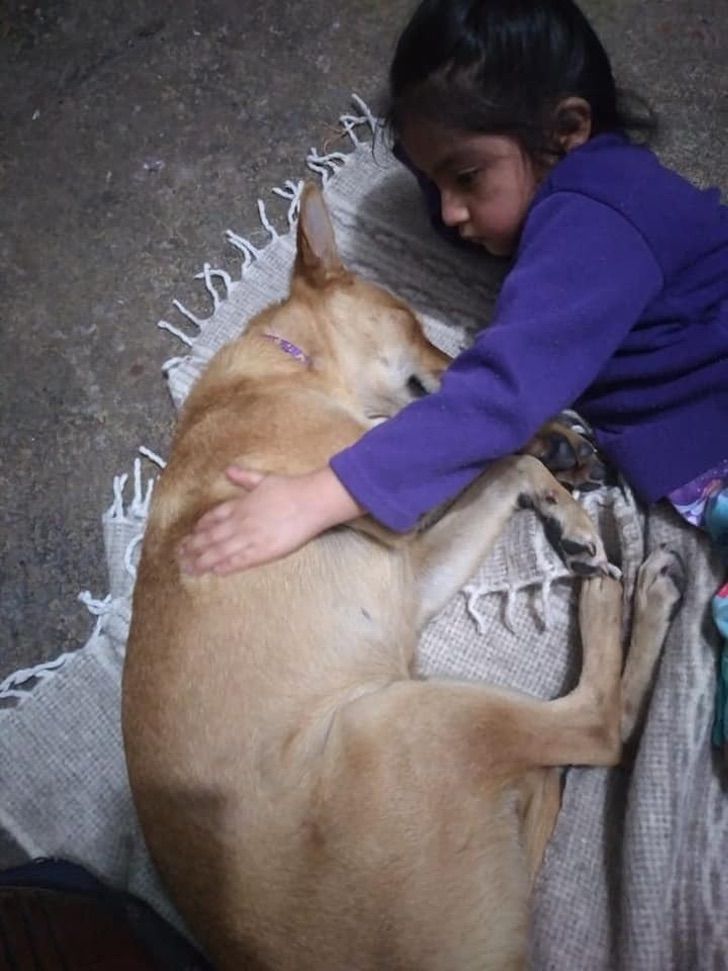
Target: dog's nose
(560,454)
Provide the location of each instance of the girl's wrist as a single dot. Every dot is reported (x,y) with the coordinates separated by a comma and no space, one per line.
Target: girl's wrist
(332,499)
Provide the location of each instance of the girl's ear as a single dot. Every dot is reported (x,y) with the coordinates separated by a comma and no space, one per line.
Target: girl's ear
(572,123)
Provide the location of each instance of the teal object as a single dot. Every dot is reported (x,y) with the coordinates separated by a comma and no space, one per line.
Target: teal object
(716,523)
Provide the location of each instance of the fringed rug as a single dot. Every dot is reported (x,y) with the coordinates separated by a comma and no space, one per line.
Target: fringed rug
(635,876)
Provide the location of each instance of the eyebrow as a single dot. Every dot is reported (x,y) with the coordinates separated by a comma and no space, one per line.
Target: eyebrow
(459,159)
(467,157)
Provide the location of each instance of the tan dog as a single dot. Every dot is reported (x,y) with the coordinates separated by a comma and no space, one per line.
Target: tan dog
(309,805)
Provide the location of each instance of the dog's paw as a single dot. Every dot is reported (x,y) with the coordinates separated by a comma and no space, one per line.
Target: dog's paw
(569,453)
(661,581)
(570,531)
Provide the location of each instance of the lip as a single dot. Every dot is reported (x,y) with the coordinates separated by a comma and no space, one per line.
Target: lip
(475,240)
(487,246)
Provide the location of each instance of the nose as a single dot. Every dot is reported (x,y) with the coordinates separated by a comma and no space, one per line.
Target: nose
(452,210)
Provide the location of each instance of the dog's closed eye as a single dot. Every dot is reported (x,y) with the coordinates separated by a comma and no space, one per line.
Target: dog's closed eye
(416,388)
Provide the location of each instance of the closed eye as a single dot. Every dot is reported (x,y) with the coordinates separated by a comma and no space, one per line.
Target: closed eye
(466,179)
(416,388)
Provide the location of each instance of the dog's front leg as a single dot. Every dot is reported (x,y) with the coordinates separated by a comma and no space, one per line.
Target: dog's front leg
(660,586)
(448,553)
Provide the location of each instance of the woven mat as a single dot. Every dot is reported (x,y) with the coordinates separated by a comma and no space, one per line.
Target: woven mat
(635,876)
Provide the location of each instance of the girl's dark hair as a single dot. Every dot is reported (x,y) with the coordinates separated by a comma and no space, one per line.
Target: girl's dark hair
(502,67)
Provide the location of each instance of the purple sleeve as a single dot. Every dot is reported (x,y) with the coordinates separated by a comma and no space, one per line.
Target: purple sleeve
(582,278)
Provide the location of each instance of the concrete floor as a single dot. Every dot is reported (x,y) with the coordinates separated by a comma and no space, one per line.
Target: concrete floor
(131,136)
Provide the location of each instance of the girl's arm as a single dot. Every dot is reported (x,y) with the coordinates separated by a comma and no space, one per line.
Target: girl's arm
(582,279)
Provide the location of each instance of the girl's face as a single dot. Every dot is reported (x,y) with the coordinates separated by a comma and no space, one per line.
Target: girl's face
(486,182)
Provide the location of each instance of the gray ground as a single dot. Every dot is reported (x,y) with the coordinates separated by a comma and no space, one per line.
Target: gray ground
(132,135)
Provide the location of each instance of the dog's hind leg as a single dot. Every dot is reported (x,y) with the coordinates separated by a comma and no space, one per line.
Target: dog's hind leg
(582,728)
(448,553)
(502,731)
(541,807)
(618,703)
(660,586)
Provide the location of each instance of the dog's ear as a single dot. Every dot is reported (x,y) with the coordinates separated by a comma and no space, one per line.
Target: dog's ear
(318,258)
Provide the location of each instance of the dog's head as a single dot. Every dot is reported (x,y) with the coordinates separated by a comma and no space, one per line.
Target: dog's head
(369,342)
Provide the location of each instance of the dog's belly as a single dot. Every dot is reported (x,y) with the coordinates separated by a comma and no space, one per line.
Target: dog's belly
(303,854)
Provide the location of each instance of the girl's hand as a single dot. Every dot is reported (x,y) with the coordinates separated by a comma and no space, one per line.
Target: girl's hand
(275,515)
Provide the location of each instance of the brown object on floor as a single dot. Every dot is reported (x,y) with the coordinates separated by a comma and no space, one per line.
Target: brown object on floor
(48,930)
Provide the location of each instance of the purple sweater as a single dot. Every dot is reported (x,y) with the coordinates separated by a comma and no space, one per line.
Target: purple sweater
(617,304)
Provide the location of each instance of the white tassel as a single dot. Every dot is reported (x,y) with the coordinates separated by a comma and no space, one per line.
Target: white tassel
(147,497)
(226,279)
(244,246)
(8,687)
(129,552)
(265,222)
(473,594)
(471,606)
(115,512)
(544,595)
(367,115)
(137,497)
(188,314)
(7,693)
(171,364)
(139,507)
(179,334)
(97,608)
(207,275)
(94,606)
(325,165)
(152,456)
(319,170)
(292,191)
(332,159)
(508,610)
(351,122)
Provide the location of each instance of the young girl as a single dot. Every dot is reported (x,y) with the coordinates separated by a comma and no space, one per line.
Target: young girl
(616,302)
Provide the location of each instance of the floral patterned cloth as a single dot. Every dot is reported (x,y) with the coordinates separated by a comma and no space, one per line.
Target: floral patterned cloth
(704,503)
(691,500)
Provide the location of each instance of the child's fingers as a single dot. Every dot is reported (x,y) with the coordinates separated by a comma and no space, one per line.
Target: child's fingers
(234,564)
(246,556)
(244,477)
(208,535)
(215,515)
(209,557)
(225,536)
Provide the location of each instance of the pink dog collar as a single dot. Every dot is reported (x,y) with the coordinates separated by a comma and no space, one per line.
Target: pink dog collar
(289,348)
